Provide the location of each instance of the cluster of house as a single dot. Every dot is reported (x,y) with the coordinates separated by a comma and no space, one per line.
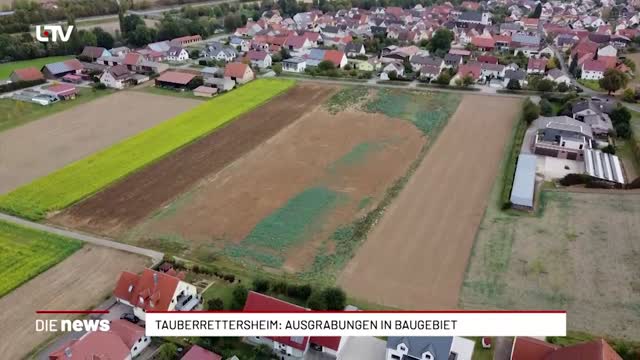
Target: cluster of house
(308,36)
(576,138)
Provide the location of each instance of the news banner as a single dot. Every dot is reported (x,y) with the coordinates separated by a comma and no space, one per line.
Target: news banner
(358,323)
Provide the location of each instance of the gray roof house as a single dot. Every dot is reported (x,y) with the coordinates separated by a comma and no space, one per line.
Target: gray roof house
(429,348)
(524,182)
(470,16)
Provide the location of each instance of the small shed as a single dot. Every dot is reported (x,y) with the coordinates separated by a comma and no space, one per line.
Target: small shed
(524,182)
(61,91)
(205,91)
(175,80)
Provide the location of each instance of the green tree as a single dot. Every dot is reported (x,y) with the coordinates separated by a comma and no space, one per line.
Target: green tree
(441,42)
(215,304)
(530,111)
(103,38)
(613,80)
(335,298)
(513,84)
(317,301)
(277,68)
(326,65)
(130,23)
(261,285)
(545,108)
(167,351)
(239,297)
(562,87)
(545,85)
(537,12)
(444,78)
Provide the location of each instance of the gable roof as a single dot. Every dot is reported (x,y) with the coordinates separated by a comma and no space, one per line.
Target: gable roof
(132,58)
(128,332)
(470,16)
(594,350)
(537,64)
(594,65)
(198,353)
(528,348)
(119,71)
(63,66)
(331,342)
(256,55)
(335,56)
(235,69)
(259,302)
(174,51)
(483,42)
(94,345)
(470,69)
(438,346)
(93,51)
(151,290)
(28,74)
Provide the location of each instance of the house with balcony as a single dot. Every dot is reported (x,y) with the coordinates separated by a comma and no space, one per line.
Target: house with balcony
(429,348)
(157,291)
(562,137)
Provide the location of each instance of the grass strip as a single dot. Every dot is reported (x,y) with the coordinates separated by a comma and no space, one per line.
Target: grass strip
(85,177)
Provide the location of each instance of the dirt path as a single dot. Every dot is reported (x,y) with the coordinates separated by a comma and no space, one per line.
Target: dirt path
(40,147)
(80,282)
(415,257)
(120,206)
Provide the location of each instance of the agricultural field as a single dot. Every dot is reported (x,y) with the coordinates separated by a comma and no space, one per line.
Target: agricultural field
(15,113)
(420,246)
(68,136)
(119,207)
(295,203)
(579,252)
(82,281)
(7,68)
(25,253)
(85,177)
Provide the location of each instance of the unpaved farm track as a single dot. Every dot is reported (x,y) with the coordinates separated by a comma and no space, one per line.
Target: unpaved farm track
(416,256)
(43,146)
(79,282)
(124,204)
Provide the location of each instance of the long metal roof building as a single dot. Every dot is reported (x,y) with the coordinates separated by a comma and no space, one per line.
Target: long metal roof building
(524,181)
(603,166)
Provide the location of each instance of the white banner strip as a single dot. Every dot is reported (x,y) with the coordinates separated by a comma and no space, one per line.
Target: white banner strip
(356,324)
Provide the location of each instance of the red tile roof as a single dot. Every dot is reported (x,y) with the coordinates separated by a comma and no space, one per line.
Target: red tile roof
(331,342)
(128,332)
(594,65)
(94,345)
(256,55)
(73,64)
(296,42)
(528,348)
(593,350)
(483,42)
(488,59)
(198,353)
(335,56)
(470,69)
(61,89)
(28,74)
(537,64)
(609,61)
(175,77)
(132,59)
(154,288)
(259,302)
(235,70)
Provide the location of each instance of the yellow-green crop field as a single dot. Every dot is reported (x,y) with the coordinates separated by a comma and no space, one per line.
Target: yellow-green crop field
(93,173)
(25,253)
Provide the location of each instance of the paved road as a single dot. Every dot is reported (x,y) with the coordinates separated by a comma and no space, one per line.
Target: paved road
(155,255)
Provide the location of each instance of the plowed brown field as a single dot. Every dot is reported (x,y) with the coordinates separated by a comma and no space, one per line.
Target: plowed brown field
(124,204)
(416,256)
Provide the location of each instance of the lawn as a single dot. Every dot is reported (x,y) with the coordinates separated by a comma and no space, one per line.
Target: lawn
(7,68)
(169,92)
(15,113)
(591,84)
(89,175)
(25,253)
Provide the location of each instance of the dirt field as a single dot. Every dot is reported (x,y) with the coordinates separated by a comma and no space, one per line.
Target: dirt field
(82,281)
(280,203)
(40,147)
(122,205)
(578,253)
(415,257)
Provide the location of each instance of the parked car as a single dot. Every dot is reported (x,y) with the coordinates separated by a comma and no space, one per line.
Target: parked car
(130,318)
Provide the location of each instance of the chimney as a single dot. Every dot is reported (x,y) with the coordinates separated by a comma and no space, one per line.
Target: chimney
(155,279)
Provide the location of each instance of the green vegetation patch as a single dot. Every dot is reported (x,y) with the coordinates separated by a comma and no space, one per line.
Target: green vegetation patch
(25,253)
(285,227)
(357,155)
(7,68)
(91,174)
(345,98)
(428,111)
(15,113)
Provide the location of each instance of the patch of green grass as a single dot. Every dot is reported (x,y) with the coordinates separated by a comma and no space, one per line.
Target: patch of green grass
(357,155)
(187,94)
(364,202)
(244,251)
(591,84)
(15,113)
(169,243)
(509,167)
(7,68)
(25,253)
(346,97)
(91,174)
(480,353)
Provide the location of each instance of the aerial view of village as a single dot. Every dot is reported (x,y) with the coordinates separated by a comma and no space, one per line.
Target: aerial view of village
(338,155)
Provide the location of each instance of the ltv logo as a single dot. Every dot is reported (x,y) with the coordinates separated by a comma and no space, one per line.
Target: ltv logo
(55,31)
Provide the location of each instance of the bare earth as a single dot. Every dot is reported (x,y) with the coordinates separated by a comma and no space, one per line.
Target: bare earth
(41,147)
(415,257)
(80,282)
(229,204)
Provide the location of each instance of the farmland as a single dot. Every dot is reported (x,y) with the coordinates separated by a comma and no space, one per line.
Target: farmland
(91,174)
(15,113)
(26,253)
(78,132)
(579,252)
(290,203)
(7,68)
(421,245)
(81,281)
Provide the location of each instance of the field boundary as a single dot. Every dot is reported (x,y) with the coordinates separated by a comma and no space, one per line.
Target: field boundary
(87,176)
